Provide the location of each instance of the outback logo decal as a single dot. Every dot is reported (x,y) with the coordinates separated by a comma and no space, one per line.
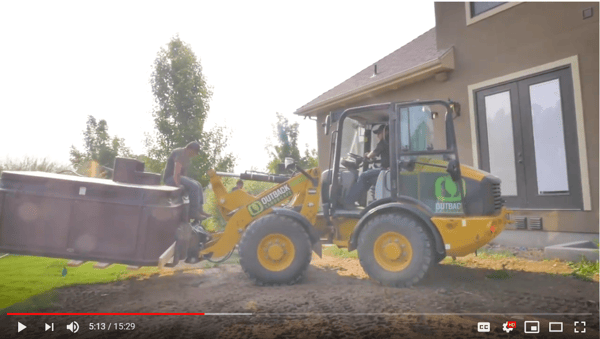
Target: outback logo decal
(269,200)
(448,195)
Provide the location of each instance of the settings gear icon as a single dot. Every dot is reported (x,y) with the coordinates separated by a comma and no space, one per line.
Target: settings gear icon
(506,327)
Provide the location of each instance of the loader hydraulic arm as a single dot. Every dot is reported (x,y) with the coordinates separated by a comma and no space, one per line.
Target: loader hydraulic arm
(240,209)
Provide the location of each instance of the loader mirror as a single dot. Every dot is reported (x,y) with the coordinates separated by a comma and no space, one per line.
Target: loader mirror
(280,168)
(456,108)
(289,163)
(327,124)
(454,170)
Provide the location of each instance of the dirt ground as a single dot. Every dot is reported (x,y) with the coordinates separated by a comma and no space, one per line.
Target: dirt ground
(335,300)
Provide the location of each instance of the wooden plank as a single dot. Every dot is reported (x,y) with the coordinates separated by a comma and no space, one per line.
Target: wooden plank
(167,256)
(102,265)
(75,263)
(133,268)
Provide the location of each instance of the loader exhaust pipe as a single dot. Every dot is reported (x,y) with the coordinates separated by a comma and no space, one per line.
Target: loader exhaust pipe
(255,177)
(264,177)
(225,174)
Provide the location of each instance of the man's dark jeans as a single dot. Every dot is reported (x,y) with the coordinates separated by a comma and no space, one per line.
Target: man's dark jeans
(194,190)
(365,181)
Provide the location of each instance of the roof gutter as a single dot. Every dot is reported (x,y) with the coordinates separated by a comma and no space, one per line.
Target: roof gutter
(420,72)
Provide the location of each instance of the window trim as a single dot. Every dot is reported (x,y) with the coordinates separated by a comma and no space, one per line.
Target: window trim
(573,63)
(487,14)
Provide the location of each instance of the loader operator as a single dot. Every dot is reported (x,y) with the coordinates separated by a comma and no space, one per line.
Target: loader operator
(174,175)
(369,178)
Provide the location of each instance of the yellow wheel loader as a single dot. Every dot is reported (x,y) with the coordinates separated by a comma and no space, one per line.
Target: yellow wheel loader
(424,207)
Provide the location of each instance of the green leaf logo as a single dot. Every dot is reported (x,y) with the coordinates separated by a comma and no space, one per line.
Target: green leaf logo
(255,208)
(446,189)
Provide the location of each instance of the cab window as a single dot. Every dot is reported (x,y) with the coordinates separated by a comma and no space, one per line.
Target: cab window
(352,138)
(418,130)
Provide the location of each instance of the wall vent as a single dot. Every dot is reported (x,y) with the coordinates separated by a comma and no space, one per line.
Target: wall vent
(535,223)
(521,223)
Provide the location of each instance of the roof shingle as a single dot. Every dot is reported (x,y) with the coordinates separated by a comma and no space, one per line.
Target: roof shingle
(417,52)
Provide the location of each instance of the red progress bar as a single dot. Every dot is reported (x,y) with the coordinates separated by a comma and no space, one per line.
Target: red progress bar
(104,313)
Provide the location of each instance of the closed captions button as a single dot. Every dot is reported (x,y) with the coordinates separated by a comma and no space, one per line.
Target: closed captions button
(483,327)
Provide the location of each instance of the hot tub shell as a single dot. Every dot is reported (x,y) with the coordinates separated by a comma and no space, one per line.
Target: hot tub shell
(64,216)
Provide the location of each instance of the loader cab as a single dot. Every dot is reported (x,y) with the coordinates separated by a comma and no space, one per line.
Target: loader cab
(422,152)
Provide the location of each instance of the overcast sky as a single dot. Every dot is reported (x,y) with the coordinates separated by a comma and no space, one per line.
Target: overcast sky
(64,60)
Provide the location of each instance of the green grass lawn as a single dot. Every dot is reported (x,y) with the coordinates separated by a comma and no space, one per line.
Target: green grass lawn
(584,269)
(23,277)
(340,252)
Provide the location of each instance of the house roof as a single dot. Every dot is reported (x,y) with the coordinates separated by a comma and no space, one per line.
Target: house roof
(419,52)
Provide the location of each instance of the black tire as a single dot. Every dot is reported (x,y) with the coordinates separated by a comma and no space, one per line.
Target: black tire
(412,230)
(270,225)
(438,257)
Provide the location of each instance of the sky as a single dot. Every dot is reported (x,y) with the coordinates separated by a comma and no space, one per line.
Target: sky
(61,61)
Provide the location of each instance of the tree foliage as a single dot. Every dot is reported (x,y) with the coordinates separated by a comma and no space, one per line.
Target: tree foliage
(98,146)
(286,145)
(210,205)
(182,103)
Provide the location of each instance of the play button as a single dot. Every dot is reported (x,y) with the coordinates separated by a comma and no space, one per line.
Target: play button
(20,327)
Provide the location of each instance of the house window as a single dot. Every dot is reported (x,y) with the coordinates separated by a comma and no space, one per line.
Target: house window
(481,7)
(500,139)
(477,11)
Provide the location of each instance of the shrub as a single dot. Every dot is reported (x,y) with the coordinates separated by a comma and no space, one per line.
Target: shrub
(32,164)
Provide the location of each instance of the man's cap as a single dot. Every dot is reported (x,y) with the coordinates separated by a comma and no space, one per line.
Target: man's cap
(194,145)
(379,129)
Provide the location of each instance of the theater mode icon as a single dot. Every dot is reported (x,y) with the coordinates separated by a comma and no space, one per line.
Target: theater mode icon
(483,327)
(555,327)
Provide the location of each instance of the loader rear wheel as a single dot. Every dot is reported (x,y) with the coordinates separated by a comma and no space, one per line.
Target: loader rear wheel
(394,249)
(275,250)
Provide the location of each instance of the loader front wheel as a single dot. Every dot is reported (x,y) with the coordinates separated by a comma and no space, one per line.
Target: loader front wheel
(394,249)
(275,250)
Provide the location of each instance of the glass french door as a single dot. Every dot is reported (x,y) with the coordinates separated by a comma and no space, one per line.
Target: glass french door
(528,138)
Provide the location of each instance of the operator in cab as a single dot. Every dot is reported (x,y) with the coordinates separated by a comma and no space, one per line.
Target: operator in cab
(174,175)
(369,178)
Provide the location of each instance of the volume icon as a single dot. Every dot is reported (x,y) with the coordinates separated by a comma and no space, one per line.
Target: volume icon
(73,327)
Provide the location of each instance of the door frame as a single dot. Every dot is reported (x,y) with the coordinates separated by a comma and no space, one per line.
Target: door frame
(571,62)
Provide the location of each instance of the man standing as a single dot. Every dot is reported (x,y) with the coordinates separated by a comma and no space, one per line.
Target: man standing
(369,178)
(174,175)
